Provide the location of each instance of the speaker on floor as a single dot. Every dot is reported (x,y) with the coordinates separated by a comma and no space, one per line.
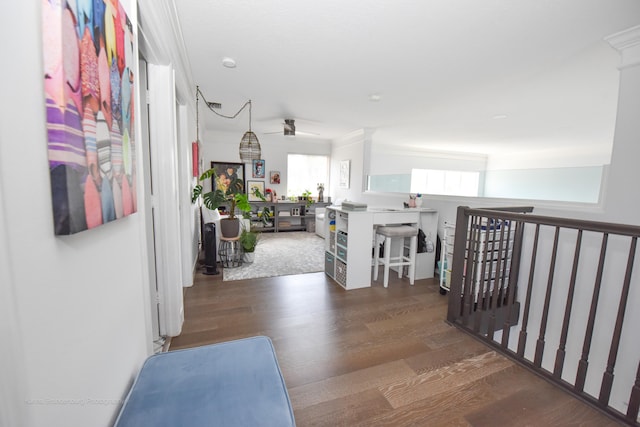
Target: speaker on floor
(210,254)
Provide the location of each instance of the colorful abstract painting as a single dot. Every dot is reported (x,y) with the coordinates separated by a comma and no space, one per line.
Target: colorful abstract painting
(89,57)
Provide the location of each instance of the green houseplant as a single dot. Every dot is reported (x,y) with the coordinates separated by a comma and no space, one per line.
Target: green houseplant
(306,196)
(233,196)
(249,241)
(266,215)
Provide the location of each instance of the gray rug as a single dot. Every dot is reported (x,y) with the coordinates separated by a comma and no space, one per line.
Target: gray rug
(282,254)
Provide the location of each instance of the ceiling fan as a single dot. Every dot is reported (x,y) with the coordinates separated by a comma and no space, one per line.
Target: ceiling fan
(289,129)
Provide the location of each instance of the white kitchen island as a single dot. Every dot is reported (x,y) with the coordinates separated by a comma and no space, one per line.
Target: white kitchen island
(350,238)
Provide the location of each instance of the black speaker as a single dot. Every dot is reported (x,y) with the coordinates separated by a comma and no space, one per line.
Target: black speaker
(210,254)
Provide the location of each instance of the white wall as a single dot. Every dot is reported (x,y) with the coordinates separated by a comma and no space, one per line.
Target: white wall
(352,147)
(389,160)
(79,303)
(574,184)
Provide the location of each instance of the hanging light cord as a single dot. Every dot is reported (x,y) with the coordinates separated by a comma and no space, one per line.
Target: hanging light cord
(249,144)
(197,113)
(208,104)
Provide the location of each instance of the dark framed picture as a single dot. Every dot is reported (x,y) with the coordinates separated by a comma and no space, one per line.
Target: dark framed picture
(274,177)
(228,176)
(251,187)
(258,169)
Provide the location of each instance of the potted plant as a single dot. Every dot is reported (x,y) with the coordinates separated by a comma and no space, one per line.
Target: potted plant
(266,215)
(229,227)
(306,196)
(249,241)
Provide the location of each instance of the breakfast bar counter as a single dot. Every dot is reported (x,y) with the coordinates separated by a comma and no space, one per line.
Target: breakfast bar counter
(350,236)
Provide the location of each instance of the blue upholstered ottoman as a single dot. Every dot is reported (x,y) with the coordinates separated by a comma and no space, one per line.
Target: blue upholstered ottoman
(236,383)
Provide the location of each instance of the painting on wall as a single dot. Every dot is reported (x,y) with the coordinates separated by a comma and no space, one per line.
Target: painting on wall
(258,168)
(228,177)
(195,159)
(344,173)
(88,55)
(252,186)
(274,177)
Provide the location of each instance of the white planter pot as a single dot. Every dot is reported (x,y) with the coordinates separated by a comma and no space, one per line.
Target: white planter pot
(249,257)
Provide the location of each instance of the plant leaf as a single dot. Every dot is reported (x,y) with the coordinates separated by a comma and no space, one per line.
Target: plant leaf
(197,190)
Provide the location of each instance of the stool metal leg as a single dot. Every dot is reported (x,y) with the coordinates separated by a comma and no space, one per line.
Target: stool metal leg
(230,252)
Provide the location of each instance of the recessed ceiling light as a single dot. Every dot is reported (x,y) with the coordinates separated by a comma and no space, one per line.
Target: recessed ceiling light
(374,97)
(500,117)
(229,62)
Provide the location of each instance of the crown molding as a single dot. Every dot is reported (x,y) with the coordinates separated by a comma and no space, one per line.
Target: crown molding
(627,42)
(161,39)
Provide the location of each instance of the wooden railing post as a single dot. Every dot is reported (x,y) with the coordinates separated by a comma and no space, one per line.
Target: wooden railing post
(457,265)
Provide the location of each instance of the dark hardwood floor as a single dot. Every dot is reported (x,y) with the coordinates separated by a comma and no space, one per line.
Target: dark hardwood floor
(376,356)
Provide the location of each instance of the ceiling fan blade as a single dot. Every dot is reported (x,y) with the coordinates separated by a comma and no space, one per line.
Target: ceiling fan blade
(289,129)
(304,133)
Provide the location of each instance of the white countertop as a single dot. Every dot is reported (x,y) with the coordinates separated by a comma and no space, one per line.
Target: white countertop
(383,209)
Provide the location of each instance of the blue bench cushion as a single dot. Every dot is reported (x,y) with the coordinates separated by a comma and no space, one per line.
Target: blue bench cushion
(236,383)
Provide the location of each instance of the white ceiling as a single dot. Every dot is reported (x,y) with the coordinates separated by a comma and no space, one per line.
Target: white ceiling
(446,71)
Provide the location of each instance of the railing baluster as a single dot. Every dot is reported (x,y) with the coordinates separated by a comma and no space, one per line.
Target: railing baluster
(583,364)
(472,264)
(512,289)
(547,300)
(522,339)
(483,292)
(560,354)
(495,293)
(634,400)
(607,378)
(506,265)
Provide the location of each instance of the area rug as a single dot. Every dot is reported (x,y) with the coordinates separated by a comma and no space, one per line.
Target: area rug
(282,254)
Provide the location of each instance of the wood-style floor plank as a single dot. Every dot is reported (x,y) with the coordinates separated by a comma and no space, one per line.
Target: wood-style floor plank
(376,356)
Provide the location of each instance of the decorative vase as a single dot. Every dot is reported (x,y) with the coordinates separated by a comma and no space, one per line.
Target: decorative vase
(418,202)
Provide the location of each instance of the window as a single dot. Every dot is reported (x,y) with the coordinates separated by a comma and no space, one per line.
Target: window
(305,172)
(455,183)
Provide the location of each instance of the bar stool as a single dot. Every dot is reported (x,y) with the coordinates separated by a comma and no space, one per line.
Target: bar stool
(230,252)
(396,232)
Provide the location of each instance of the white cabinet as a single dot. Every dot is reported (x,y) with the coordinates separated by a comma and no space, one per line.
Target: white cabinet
(348,247)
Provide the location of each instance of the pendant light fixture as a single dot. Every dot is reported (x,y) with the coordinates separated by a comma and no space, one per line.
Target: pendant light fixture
(249,144)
